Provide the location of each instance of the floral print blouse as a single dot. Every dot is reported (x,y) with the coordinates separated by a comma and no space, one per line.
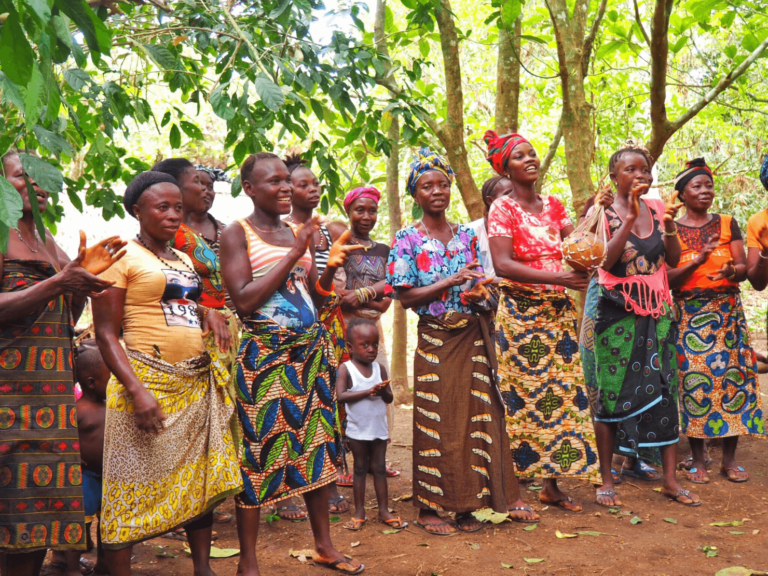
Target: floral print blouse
(416,260)
(536,237)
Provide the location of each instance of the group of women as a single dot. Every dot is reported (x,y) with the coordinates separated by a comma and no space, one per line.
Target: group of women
(231,337)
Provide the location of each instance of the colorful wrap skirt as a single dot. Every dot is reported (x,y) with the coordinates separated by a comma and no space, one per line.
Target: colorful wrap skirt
(286,402)
(153,483)
(41,494)
(636,374)
(588,363)
(718,375)
(461,457)
(541,381)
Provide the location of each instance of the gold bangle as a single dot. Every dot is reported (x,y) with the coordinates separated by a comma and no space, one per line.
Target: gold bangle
(320,290)
(671,233)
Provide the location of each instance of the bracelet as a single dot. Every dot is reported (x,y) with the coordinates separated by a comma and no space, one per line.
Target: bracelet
(375,295)
(671,233)
(202,312)
(320,290)
(761,255)
(733,274)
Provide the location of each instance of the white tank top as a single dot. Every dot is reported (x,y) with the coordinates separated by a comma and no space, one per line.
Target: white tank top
(366,418)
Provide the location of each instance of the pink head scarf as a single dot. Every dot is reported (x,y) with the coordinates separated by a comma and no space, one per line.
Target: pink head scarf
(363,192)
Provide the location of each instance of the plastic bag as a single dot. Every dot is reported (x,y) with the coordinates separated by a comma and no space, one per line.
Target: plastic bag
(585,248)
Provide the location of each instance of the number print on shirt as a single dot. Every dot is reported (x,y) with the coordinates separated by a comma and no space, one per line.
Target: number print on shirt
(179,299)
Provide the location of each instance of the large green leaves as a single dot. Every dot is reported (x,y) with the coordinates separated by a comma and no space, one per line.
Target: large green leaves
(16,56)
(45,175)
(270,93)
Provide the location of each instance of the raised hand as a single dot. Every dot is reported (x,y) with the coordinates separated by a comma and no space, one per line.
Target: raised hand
(339,253)
(709,247)
(671,207)
(479,292)
(727,270)
(638,189)
(604,196)
(305,233)
(466,273)
(101,256)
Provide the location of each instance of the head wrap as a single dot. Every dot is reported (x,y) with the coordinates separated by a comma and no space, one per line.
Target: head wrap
(216,174)
(426,161)
(139,184)
(500,147)
(363,192)
(693,168)
(764,172)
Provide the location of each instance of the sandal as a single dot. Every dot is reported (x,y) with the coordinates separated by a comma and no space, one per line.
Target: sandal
(688,463)
(333,505)
(221,517)
(615,475)
(642,471)
(395,523)
(339,565)
(696,476)
(562,504)
(523,520)
(462,520)
(610,494)
(178,534)
(355,524)
(426,528)
(292,507)
(686,494)
(344,481)
(392,473)
(735,477)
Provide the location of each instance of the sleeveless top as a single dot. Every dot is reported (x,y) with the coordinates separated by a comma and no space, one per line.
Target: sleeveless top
(291,305)
(693,240)
(321,256)
(366,418)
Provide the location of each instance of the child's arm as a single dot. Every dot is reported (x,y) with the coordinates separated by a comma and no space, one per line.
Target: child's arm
(342,388)
(385,391)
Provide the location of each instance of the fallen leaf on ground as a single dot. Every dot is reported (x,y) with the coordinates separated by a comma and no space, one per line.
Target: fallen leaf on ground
(489,515)
(636,520)
(423,544)
(561,535)
(301,555)
(589,533)
(614,510)
(355,544)
(474,545)
(531,527)
(670,520)
(390,531)
(163,553)
(736,532)
(335,518)
(534,560)
(739,571)
(755,532)
(223,552)
(506,565)
(534,488)
(709,551)
(403,498)
(657,489)
(731,523)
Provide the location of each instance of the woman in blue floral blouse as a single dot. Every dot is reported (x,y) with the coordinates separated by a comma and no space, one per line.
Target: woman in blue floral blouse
(461,456)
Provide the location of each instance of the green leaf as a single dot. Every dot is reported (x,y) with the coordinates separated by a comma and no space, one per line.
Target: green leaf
(270,93)
(174,137)
(416,211)
(635,520)
(609,48)
(750,42)
(335,518)
(279,9)
(510,10)
(11,204)
(236,188)
(730,51)
(677,46)
(736,532)
(97,36)
(45,175)
(60,26)
(534,560)
(53,142)
(32,96)
(727,19)
(219,101)
(4,234)
(739,571)
(11,92)
(41,9)
(16,55)
(731,523)
(223,552)
(536,39)
(424,47)
(670,520)
(74,199)
(390,531)
(589,533)
(509,566)
(162,56)
(531,528)
(77,79)
(378,65)
(191,130)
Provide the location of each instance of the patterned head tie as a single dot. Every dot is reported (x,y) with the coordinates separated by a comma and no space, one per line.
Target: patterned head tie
(500,148)
(693,168)
(362,192)
(426,161)
(216,174)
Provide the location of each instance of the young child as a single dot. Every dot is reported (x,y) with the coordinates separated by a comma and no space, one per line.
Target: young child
(93,375)
(362,385)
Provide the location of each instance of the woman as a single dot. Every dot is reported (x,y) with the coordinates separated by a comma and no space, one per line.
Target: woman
(286,367)
(493,188)
(41,290)
(635,331)
(461,459)
(718,381)
(540,375)
(305,200)
(167,428)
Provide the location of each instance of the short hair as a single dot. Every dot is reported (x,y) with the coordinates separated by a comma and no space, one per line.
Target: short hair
(249,163)
(88,361)
(490,185)
(140,184)
(358,323)
(629,147)
(173,167)
(295,161)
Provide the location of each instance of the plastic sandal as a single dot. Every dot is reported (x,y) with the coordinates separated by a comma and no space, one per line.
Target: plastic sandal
(438,524)
(640,471)
(702,479)
(609,494)
(734,478)
(395,523)
(344,481)
(687,494)
(523,520)
(355,524)
(342,566)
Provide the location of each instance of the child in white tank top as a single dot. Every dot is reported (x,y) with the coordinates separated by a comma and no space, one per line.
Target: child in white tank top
(363,386)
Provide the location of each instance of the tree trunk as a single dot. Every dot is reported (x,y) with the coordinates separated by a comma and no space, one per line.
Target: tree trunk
(399,352)
(508,80)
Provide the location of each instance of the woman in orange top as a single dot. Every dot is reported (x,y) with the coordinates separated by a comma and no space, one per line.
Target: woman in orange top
(719,392)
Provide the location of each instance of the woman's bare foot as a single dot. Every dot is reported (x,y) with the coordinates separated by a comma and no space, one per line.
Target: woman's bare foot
(552,495)
(607,496)
(676,492)
(519,512)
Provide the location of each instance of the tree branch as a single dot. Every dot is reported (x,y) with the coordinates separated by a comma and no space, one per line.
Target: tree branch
(659,62)
(551,151)
(589,41)
(640,23)
(508,79)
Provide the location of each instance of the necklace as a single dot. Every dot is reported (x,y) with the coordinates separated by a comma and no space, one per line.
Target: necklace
(166,262)
(37,237)
(362,241)
(250,221)
(450,226)
(319,244)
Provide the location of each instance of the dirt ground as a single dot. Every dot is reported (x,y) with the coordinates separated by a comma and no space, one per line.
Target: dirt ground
(653,546)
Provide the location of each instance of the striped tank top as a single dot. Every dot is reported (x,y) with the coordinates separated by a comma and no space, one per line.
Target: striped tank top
(321,256)
(291,305)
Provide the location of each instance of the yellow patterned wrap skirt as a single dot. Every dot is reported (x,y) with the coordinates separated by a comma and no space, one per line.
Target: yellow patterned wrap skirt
(156,482)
